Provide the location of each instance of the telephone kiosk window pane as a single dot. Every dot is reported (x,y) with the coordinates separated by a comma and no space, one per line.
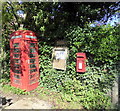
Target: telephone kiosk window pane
(16,45)
(31,55)
(16,55)
(33,70)
(16,50)
(32,81)
(32,76)
(16,61)
(32,50)
(32,44)
(16,76)
(32,66)
(32,60)
(17,71)
(16,66)
(16,81)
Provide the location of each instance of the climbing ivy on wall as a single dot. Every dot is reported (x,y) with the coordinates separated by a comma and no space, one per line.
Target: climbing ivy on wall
(101,44)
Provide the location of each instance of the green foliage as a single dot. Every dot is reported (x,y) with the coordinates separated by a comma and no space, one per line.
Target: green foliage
(102,67)
(7,88)
(89,97)
(100,43)
(15,90)
(4,57)
(50,21)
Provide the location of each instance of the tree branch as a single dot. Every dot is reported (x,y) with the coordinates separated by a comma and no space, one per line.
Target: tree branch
(13,12)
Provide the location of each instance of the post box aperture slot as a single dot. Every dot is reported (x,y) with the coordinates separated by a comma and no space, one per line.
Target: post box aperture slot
(17,76)
(32,55)
(16,56)
(16,45)
(16,50)
(32,66)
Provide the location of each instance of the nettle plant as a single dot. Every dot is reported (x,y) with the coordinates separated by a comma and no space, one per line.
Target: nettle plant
(90,89)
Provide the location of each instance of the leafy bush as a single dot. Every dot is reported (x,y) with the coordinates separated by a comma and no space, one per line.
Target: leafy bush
(100,43)
(5,56)
(88,96)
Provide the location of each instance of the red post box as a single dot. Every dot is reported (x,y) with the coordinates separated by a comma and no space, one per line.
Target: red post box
(80,62)
(24,61)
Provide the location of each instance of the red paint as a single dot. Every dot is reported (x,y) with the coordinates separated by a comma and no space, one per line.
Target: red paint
(24,61)
(80,62)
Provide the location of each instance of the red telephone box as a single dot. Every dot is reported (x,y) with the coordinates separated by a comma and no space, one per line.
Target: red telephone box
(80,62)
(24,61)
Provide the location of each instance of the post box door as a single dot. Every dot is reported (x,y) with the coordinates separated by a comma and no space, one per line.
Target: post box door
(80,65)
(80,62)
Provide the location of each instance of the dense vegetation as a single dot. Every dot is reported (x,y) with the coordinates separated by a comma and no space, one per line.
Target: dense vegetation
(69,21)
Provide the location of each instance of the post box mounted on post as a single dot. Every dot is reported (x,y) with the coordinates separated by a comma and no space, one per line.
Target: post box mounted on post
(81,62)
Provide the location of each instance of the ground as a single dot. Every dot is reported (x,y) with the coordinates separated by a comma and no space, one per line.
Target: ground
(39,98)
(14,101)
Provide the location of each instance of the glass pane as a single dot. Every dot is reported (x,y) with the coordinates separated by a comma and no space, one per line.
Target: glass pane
(37,75)
(32,50)
(32,44)
(32,60)
(31,55)
(16,45)
(16,55)
(17,81)
(16,61)
(32,81)
(33,70)
(17,76)
(16,66)
(32,66)
(17,71)
(32,76)
(16,50)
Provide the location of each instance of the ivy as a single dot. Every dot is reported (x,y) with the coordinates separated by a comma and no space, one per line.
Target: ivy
(102,68)
(54,21)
